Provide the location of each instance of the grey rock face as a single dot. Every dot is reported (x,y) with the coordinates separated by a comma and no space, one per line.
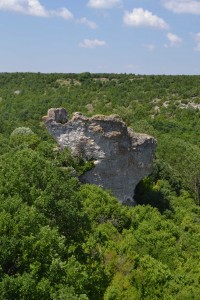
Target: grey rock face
(121,157)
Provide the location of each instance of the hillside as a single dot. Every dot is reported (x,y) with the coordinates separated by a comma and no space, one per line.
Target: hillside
(64,240)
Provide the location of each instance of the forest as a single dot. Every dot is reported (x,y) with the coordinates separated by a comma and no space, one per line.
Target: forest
(63,240)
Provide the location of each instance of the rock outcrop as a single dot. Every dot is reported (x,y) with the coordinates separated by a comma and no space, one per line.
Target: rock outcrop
(121,156)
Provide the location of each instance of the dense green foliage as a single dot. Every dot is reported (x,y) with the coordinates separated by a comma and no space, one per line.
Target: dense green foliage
(63,240)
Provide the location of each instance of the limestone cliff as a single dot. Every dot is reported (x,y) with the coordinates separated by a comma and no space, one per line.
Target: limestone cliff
(121,156)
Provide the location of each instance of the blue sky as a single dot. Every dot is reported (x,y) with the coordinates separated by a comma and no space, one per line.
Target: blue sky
(112,36)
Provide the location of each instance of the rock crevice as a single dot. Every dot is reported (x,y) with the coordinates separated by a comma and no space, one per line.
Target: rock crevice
(121,156)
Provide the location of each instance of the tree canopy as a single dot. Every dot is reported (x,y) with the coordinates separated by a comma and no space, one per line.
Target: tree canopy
(60,239)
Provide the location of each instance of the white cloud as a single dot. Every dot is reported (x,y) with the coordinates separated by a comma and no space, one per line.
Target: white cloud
(103,3)
(197,39)
(29,7)
(140,17)
(64,13)
(174,39)
(87,22)
(36,9)
(150,47)
(33,8)
(183,6)
(92,43)
(15,5)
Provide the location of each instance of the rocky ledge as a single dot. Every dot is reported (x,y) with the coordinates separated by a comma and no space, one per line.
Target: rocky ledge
(121,156)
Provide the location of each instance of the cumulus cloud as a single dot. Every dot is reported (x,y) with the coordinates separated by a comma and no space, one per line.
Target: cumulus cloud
(197,39)
(36,9)
(140,17)
(11,5)
(150,47)
(183,6)
(64,13)
(103,3)
(33,8)
(174,39)
(92,43)
(87,22)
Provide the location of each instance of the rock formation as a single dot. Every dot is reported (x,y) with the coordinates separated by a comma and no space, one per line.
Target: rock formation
(121,156)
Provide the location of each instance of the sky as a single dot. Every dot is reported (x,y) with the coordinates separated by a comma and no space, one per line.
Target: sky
(100,36)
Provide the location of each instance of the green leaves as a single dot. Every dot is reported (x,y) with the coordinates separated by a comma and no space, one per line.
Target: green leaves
(62,240)
(40,215)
